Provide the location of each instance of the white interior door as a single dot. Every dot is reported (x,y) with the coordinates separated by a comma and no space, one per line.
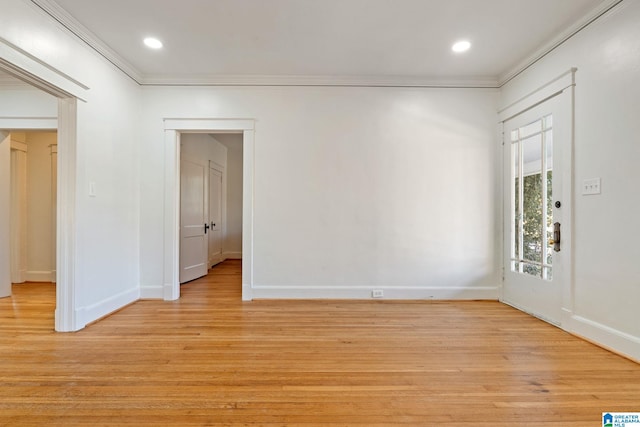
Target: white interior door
(18,212)
(5,214)
(54,206)
(215,216)
(535,143)
(193,219)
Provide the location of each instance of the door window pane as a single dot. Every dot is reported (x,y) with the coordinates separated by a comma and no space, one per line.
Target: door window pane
(548,136)
(516,223)
(530,129)
(532,207)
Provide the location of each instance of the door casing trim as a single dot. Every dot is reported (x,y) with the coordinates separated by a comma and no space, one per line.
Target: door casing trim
(562,86)
(173,128)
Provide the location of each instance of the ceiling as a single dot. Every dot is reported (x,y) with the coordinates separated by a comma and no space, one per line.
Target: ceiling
(271,41)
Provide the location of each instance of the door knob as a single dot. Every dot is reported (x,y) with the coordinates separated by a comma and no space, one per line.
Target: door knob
(556,236)
(206,227)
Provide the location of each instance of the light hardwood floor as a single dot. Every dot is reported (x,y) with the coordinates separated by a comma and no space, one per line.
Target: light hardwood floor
(211,359)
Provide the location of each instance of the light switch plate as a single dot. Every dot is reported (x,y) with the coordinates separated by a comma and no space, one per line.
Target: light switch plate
(92,189)
(591,186)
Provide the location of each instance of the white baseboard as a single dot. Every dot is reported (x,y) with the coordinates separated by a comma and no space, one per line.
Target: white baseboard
(232,255)
(40,276)
(532,313)
(93,312)
(169,292)
(409,293)
(215,260)
(247,292)
(19,276)
(151,292)
(605,336)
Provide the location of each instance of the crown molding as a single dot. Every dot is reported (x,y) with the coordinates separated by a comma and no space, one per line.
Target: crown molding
(547,48)
(293,80)
(54,10)
(71,24)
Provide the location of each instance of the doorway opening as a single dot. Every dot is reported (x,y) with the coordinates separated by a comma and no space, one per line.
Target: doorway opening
(537,202)
(33,206)
(58,112)
(175,131)
(210,201)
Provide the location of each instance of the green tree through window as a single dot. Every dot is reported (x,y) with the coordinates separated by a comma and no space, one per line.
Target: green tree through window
(533,222)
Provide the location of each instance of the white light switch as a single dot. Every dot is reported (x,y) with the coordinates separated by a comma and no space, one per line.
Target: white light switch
(591,186)
(92,189)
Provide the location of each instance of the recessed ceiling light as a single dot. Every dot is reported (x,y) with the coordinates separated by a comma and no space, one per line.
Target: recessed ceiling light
(153,43)
(461,46)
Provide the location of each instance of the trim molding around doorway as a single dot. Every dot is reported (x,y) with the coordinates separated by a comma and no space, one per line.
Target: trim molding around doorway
(173,128)
(563,87)
(47,78)
(65,125)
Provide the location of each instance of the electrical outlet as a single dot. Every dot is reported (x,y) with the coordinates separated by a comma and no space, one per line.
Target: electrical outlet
(377,293)
(591,186)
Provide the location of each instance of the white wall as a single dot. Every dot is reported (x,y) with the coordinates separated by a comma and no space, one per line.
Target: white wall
(25,101)
(40,256)
(232,246)
(203,146)
(355,188)
(606,227)
(107,238)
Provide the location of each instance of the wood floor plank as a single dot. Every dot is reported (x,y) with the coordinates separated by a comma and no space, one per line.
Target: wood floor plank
(212,359)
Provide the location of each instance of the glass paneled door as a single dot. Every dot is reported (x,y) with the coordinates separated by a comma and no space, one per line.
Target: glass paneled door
(533,199)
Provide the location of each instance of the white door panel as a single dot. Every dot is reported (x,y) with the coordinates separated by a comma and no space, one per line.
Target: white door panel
(535,145)
(5,214)
(54,209)
(19,214)
(193,219)
(215,216)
